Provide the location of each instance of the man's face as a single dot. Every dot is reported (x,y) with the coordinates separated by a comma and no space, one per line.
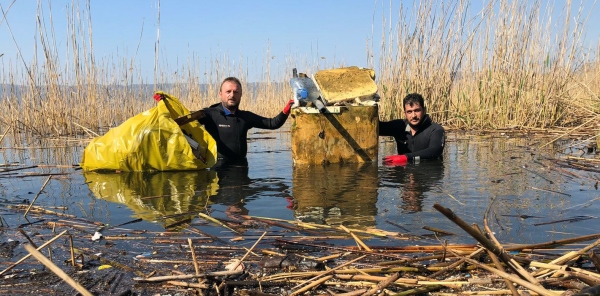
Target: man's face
(414,113)
(231,95)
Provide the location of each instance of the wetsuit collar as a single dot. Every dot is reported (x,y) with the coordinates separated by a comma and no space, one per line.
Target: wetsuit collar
(225,110)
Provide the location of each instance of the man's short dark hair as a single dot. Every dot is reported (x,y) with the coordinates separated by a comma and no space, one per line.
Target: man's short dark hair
(231,79)
(413,98)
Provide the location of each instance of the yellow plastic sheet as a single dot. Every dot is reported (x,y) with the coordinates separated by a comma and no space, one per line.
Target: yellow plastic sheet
(173,199)
(152,141)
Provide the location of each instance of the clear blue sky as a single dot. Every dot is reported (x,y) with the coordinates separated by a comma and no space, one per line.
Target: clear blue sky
(336,30)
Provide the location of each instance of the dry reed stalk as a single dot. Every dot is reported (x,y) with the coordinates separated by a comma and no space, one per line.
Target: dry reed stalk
(537,288)
(332,256)
(18,169)
(329,271)
(492,292)
(4,133)
(376,232)
(193,256)
(353,293)
(211,219)
(382,284)
(37,195)
(437,230)
(595,260)
(551,191)
(455,264)
(490,245)
(71,249)
(59,272)
(567,257)
(185,262)
(493,256)
(372,278)
(29,255)
(272,253)
(27,237)
(553,243)
(582,271)
(249,251)
(313,284)
(188,285)
(358,240)
(186,276)
(40,210)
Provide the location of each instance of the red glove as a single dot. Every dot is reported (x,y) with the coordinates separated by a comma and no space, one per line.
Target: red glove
(395,160)
(288,106)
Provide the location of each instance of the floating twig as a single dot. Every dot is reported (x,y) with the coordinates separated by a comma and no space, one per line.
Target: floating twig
(548,190)
(186,276)
(358,240)
(37,195)
(573,219)
(249,251)
(451,196)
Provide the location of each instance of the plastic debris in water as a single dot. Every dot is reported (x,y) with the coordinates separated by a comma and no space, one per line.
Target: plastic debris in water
(234,264)
(96,236)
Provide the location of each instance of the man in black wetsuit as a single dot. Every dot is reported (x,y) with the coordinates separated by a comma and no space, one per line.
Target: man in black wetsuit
(229,125)
(417,137)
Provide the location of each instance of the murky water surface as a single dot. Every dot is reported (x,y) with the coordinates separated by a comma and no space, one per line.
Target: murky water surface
(524,191)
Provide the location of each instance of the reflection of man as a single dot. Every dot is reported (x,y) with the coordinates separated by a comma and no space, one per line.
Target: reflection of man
(414,182)
(233,185)
(412,195)
(417,137)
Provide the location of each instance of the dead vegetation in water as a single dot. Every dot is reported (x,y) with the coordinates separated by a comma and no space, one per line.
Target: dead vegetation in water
(194,263)
(283,257)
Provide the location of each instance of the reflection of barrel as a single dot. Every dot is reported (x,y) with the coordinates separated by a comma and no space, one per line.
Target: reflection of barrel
(336,194)
(158,195)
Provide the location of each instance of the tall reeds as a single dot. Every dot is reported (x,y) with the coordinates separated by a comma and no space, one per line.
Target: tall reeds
(511,65)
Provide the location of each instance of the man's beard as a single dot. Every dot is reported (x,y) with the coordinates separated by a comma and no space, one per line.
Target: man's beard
(416,125)
(231,105)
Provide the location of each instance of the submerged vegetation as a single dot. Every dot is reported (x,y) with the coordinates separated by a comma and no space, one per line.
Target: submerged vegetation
(511,65)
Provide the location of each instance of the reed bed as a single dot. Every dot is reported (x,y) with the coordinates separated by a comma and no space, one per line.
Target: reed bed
(511,65)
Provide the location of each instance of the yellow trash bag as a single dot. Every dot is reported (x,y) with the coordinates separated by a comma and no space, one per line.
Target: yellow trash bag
(153,141)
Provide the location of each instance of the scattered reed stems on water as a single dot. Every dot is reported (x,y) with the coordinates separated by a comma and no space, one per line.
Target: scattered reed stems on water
(510,65)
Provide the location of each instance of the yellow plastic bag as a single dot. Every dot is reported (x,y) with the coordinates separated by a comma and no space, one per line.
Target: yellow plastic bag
(152,141)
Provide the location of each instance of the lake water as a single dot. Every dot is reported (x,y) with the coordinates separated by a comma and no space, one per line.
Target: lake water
(529,189)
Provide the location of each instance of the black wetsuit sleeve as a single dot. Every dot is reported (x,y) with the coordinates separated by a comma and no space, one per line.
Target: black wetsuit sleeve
(391,128)
(276,122)
(436,144)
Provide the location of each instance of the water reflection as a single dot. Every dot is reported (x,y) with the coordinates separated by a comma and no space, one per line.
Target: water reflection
(233,180)
(336,194)
(239,193)
(415,181)
(171,198)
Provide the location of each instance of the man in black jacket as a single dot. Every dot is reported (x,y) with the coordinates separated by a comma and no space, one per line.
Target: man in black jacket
(417,136)
(229,125)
